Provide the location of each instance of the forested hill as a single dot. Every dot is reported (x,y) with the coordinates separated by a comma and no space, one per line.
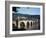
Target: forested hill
(26,15)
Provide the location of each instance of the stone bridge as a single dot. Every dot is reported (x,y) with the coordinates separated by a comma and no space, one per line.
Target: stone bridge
(31,24)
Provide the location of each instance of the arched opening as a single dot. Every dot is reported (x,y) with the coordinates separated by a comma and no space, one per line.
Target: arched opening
(27,24)
(31,23)
(22,25)
(13,25)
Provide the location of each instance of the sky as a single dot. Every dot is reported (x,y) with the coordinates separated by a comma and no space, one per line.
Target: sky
(29,10)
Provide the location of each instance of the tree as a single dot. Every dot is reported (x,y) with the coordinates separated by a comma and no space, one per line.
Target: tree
(15,9)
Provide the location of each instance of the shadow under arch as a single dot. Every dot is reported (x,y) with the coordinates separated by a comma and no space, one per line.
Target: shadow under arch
(22,25)
(28,24)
